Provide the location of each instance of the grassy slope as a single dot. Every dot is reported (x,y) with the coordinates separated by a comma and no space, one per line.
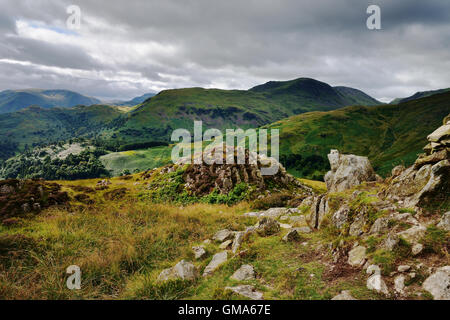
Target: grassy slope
(121,246)
(388,134)
(137,159)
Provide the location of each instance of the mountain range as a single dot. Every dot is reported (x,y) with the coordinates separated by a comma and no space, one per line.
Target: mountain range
(15,100)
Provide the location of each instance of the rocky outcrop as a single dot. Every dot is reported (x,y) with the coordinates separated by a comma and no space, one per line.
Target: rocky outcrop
(202,178)
(427,182)
(267,227)
(347,171)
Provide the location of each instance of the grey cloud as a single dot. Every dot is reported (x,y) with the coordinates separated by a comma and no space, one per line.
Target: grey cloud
(238,44)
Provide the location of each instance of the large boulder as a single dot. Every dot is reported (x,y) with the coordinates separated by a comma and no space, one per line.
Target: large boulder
(438,284)
(347,171)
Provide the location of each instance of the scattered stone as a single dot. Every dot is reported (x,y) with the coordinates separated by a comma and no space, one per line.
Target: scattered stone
(224,245)
(417,249)
(199,252)
(247,291)
(285,226)
(292,236)
(223,235)
(445,221)
(245,272)
(303,230)
(399,284)
(356,228)
(267,227)
(182,270)
(403,268)
(390,242)
(217,260)
(340,217)
(357,256)
(344,295)
(297,220)
(375,281)
(207,241)
(26,208)
(438,284)
(238,239)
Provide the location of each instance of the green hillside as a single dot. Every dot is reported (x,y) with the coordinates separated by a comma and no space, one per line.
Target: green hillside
(36,125)
(172,109)
(418,95)
(387,134)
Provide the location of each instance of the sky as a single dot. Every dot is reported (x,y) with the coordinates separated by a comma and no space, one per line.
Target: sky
(127,48)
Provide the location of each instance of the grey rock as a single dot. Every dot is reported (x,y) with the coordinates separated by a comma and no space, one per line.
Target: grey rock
(340,217)
(245,272)
(199,252)
(344,295)
(247,291)
(267,227)
(444,223)
(224,245)
(223,235)
(292,236)
(357,256)
(356,228)
(399,284)
(438,284)
(303,230)
(416,249)
(380,225)
(413,235)
(217,260)
(238,239)
(182,270)
(403,268)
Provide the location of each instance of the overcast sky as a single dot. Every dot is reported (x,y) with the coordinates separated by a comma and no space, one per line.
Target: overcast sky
(127,48)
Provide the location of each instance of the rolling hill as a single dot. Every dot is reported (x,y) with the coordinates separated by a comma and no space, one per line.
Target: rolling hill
(418,95)
(171,109)
(389,134)
(14,100)
(135,101)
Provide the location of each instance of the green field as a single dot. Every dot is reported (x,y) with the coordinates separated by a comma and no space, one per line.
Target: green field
(141,160)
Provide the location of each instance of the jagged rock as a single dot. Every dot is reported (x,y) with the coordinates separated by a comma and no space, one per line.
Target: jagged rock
(318,210)
(340,217)
(224,245)
(344,295)
(375,281)
(438,284)
(199,252)
(431,159)
(245,272)
(396,171)
(267,227)
(356,228)
(217,260)
(223,235)
(416,249)
(405,217)
(347,171)
(182,270)
(357,256)
(414,234)
(238,239)
(399,284)
(444,223)
(403,268)
(292,236)
(247,291)
(380,225)
(440,133)
(390,242)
